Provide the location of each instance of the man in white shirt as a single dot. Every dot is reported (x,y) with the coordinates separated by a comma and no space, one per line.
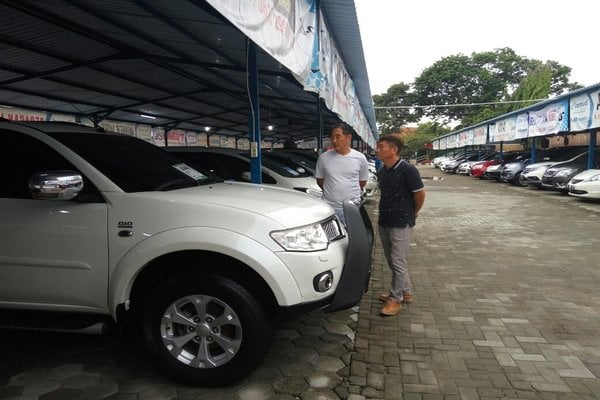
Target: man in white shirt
(341,172)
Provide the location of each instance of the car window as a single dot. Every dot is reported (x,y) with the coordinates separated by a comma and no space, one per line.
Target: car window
(132,164)
(226,166)
(22,155)
(302,167)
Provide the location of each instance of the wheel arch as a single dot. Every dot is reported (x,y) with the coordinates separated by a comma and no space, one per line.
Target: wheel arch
(198,264)
(202,250)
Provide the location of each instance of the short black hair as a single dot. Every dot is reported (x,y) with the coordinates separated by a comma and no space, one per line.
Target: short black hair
(395,139)
(346,130)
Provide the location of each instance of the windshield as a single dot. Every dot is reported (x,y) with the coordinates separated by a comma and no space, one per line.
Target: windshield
(565,153)
(304,167)
(132,164)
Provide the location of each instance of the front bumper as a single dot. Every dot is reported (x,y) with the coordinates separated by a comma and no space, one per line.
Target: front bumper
(359,257)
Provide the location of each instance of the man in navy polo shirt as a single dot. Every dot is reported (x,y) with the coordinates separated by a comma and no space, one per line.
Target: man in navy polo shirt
(402,197)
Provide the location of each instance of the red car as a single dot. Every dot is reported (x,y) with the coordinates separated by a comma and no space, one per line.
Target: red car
(477,170)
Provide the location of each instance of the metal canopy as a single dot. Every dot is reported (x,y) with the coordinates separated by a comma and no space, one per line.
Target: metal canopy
(177,61)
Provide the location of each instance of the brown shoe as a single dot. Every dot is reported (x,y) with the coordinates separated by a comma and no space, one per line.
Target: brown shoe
(391,308)
(406,298)
(384,297)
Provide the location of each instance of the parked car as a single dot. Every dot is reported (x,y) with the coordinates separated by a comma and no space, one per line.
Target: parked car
(494,172)
(451,166)
(478,169)
(558,175)
(438,160)
(231,164)
(301,164)
(309,161)
(585,185)
(465,167)
(511,172)
(533,173)
(97,227)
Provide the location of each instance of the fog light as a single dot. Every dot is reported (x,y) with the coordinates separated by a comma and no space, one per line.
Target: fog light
(323,282)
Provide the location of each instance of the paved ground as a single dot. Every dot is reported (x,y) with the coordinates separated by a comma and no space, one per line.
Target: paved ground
(506,286)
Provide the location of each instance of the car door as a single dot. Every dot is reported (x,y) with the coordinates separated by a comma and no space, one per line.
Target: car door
(53,253)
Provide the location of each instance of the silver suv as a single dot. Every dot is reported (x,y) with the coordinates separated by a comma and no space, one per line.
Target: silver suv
(108,227)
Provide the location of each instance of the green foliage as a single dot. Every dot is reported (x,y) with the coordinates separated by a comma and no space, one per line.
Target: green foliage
(394,116)
(423,135)
(462,83)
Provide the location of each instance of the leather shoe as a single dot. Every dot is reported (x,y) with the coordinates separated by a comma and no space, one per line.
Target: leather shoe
(390,308)
(406,298)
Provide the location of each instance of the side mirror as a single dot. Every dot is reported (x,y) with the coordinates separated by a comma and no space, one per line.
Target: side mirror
(55,185)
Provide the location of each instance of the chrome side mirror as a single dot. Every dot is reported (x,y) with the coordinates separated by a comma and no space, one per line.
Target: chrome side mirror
(55,185)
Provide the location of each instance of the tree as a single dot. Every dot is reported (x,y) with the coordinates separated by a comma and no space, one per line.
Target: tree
(394,116)
(454,84)
(423,134)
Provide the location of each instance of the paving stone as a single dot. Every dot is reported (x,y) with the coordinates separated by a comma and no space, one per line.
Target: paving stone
(326,363)
(104,390)
(292,386)
(318,394)
(81,380)
(323,380)
(256,391)
(499,314)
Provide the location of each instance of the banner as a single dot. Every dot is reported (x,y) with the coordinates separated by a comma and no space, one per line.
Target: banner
(503,130)
(158,136)
(585,111)
(551,119)
(451,141)
(125,128)
(287,30)
(522,126)
(480,135)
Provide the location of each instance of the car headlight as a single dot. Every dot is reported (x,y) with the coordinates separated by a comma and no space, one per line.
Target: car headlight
(593,178)
(304,238)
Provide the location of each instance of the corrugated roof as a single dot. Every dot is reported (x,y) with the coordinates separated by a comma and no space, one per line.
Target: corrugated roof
(179,61)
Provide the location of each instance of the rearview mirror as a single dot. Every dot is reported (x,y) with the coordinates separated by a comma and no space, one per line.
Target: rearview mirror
(55,185)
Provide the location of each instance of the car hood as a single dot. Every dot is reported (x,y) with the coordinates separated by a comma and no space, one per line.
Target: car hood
(289,207)
(588,173)
(540,164)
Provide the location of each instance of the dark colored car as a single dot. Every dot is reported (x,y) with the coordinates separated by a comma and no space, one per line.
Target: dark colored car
(558,175)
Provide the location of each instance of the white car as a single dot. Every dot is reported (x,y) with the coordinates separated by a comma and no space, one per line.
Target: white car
(585,184)
(533,173)
(231,164)
(372,186)
(438,160)
(100,227)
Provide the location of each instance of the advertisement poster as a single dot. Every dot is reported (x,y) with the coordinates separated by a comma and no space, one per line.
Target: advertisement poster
(551,119)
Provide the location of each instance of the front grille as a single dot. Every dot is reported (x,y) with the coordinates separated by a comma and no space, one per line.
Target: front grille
(332,229)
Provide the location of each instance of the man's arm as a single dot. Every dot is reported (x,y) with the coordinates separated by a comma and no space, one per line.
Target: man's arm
(361,184)
(320,182)
(419,198)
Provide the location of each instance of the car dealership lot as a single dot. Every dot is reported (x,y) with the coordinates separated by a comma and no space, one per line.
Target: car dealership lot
(506,287)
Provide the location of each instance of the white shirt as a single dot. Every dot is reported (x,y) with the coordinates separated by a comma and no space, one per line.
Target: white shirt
(341,174)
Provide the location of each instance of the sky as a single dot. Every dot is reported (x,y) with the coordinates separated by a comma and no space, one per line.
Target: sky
(401,38)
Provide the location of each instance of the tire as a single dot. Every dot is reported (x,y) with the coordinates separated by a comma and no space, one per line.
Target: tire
(519,180)
(219,335)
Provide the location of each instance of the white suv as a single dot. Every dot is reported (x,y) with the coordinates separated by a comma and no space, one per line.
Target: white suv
(109,227)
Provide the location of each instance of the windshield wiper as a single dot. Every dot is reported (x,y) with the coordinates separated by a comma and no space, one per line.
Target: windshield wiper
(176,184)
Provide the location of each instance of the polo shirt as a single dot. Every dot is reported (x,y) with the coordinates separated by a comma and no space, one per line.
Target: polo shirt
(397,185)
